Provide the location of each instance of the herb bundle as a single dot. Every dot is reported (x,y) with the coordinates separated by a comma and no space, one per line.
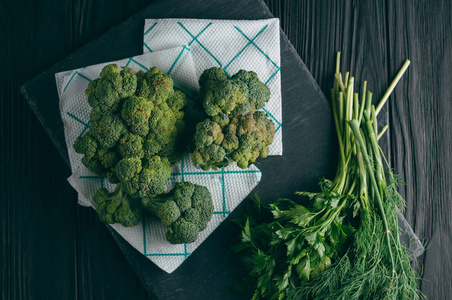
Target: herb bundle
(343,242)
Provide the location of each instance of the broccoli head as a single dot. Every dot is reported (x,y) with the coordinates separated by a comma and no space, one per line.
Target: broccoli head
(155,85)
(258,92)
(212,74)
(116,207)
(185,211)
(144,180)
(222,97)
(238,95)
(134,135)
(242,139)
(207,133)
(105,93)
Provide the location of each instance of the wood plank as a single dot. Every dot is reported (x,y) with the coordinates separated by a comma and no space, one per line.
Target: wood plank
(318,29)
(37,248)
(421,132)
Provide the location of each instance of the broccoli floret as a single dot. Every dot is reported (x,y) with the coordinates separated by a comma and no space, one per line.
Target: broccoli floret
(258,92)
(182,232)
(135,113)
(127,168)
(130,145)
(183,194)
(117,207)
(210,157)
(202,202)
(104,94)
(108,158)
(148,180)
(94,165)
(185,211)
(207,133)
(176,102)
(107,130)
(155,85)
(238,95)
(243,140)
(212,74)
(97,160)
(165,128)
(166,210)
(222,97)
(156,172)
(86,145)
(208,153)
(255,132)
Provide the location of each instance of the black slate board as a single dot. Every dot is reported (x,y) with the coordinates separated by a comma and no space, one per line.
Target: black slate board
(212,270)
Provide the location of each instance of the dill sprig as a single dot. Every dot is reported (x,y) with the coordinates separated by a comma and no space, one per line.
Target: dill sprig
(343,242)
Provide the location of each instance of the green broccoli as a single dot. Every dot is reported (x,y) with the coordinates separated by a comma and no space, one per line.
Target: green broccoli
(107,130)
(243,139)
(143,180)
(212,74)
(86,145)
(97,160)
(209,153)
(117,207)
(105,93)
(155,85)
(258,92)
(238,95)
(222,97)
(165,128)
(208,132)
(185,211)
(135,113)
(130,145)
(135,133)
(128,167)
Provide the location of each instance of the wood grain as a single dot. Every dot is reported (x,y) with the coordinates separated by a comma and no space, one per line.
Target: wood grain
(421,131)
(53,249)
(50,247)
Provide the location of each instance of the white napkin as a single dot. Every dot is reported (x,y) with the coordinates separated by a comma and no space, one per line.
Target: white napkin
(231,45)
(228,186)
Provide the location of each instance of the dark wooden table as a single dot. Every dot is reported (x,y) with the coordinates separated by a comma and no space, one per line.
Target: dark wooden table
(51,248)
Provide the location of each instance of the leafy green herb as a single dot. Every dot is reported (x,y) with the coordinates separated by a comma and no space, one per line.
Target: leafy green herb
(343,242)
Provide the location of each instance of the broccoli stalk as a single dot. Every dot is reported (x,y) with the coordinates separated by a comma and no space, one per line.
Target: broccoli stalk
(185,211)
(116,207)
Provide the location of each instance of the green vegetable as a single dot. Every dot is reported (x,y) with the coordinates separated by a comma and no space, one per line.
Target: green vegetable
(242,139)
(134,137)
(341,243)
(117,207)
(105,93)
(142,123)
(240,94)
(185,211)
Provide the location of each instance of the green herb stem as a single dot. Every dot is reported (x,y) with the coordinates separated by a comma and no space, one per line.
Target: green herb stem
(392,86)
(355,128)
